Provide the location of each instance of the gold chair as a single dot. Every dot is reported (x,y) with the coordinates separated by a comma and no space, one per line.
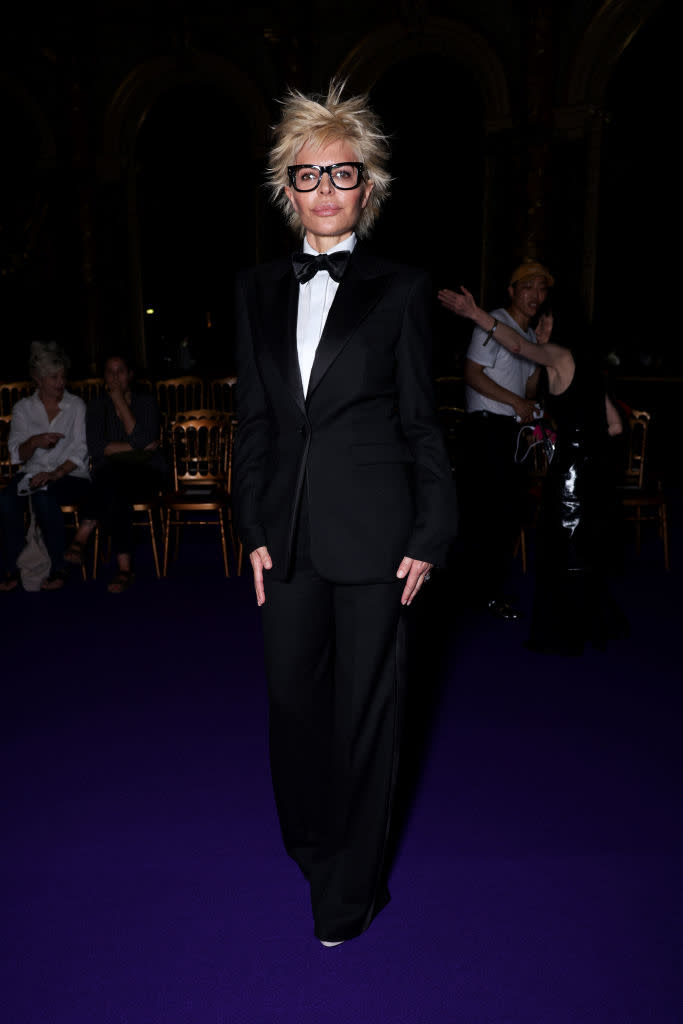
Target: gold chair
(6,468)
(176,394)
(72,510)
(642,498)
(201,414)
(148,508)
(200,459)
(220,394)
(87,388)
(11,392)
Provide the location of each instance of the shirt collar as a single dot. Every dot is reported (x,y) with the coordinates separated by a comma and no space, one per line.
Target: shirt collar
(348,245)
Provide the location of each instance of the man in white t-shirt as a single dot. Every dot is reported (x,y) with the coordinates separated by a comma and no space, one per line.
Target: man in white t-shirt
(499,395)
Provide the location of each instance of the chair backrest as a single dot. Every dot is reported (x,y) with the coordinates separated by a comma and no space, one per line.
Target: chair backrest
(199,450)
(636,452)
(87,388)
(221,391)
(179,393)
(12,391)
(200,414)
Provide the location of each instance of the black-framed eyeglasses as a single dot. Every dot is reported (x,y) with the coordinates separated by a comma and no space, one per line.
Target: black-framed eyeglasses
(307,177)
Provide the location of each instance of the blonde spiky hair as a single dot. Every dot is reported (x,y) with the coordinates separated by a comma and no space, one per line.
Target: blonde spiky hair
(319,120)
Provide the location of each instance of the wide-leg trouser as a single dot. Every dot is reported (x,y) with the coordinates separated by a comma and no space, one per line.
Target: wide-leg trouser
(335,664)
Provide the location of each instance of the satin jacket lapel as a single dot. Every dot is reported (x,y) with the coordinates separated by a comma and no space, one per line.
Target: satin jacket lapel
(279,302)
(358,293)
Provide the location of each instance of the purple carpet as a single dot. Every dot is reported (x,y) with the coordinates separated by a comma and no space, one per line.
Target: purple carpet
(537,879)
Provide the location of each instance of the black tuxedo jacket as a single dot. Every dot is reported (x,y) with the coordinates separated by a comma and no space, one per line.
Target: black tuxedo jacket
(364,440)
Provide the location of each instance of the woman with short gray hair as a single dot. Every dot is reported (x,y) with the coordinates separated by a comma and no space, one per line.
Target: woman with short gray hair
(47,443)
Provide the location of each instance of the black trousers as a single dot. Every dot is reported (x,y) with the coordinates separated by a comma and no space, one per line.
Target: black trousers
(335,664)
(116,486)
(493,498)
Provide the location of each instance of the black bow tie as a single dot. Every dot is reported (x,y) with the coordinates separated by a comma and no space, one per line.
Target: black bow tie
(306,266)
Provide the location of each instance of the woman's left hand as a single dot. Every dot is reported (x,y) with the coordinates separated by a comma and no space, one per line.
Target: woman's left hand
(40,479)
(416,572)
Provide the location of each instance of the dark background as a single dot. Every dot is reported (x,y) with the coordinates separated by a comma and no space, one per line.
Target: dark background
(134,151)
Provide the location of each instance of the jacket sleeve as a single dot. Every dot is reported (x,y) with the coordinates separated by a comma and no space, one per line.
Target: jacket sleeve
(252,440)
(436,513)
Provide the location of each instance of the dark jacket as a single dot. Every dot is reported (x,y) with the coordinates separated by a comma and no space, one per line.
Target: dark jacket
(364,441)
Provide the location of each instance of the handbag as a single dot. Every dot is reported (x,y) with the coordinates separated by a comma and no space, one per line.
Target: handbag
(541,434)
(34,561)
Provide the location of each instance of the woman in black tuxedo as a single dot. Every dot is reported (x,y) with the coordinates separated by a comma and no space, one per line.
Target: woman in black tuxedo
(344,498)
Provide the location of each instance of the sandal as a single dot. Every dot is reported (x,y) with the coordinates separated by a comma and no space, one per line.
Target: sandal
(12,581)
(75,553)
(55,580)
(121,581)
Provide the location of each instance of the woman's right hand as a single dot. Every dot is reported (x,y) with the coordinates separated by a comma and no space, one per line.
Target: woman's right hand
(46,440)
(260,561)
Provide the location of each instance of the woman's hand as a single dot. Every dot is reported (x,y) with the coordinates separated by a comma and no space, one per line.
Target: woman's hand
(416,572)
(41,479)
(47,440)
(260,561)
(461,302)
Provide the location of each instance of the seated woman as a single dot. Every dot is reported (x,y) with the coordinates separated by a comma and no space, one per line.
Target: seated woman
(47,437)
(122,430)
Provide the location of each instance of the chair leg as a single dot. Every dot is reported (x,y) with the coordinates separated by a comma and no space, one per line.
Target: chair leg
(96,551)
(77,524)
(224,545)
(167,528)
(152,533)
(664,530)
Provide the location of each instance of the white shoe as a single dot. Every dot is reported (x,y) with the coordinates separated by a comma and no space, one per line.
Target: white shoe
(329,944)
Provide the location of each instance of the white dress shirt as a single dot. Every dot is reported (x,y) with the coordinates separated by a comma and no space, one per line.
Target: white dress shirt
(315,298)
(29,417)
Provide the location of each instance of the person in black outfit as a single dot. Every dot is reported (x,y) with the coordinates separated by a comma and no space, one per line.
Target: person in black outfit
(122,429)
(344,499)
(572,603)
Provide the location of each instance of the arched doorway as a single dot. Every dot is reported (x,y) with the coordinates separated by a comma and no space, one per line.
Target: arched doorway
(194,187)
(182,153)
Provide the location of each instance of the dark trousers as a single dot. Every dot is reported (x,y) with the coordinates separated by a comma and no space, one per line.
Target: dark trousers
(335,664)
(493,495)
(47,504)
(117,486)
